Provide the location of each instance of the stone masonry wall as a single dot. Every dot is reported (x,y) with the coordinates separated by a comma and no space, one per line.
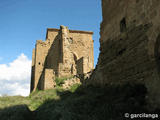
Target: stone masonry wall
(40,54)
(129,45)
(49,76)
(60,53)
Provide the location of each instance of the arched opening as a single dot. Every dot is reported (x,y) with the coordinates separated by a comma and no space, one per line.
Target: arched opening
(123,26)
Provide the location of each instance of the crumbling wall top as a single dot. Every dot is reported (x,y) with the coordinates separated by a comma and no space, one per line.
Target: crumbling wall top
(71,31)
(40,42)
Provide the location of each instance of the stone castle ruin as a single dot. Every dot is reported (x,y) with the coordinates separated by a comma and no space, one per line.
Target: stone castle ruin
(129,49)
(64,53)
(130,45)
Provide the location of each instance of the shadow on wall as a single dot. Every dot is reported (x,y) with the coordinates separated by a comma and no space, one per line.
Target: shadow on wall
(32,78)
(125,57)
(51,61)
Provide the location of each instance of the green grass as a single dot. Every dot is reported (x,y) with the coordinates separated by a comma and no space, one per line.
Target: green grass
(8,101)
(78,103)
(38,98)
(35,99)
(60,81)
(74,87)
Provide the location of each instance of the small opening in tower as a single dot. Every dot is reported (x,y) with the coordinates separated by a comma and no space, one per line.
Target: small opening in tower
(39,63)
(121,51)
(123,25)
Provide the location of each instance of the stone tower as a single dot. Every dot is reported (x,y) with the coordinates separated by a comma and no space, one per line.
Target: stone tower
(64,53)
(130,45)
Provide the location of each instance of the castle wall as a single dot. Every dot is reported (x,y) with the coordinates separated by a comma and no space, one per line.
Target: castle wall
(129,45)
(49,78)
(72,46)
(80,65)
(51,34)
(41,53)
(83,46)
(46,57)
(66,58)
(53,56)
(60,53)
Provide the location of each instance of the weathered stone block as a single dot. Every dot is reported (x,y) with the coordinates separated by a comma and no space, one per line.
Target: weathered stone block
(49,77)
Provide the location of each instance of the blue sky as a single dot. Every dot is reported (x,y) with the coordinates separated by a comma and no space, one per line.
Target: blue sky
(22,22)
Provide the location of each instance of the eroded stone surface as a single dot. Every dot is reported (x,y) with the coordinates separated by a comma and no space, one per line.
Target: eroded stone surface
(70,82)
(64,53)
(130,45)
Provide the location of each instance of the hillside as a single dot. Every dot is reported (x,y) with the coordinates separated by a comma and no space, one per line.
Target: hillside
(78,103)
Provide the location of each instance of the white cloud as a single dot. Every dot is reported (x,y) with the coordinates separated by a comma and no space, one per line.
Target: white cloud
(15,77)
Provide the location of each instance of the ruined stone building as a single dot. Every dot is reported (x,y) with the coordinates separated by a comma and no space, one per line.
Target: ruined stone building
(130,45)
(64,53)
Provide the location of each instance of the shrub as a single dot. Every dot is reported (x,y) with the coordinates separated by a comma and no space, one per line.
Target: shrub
(60,81)
(74,87)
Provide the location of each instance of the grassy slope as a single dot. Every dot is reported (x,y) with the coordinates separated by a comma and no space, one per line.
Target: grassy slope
(86,103)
